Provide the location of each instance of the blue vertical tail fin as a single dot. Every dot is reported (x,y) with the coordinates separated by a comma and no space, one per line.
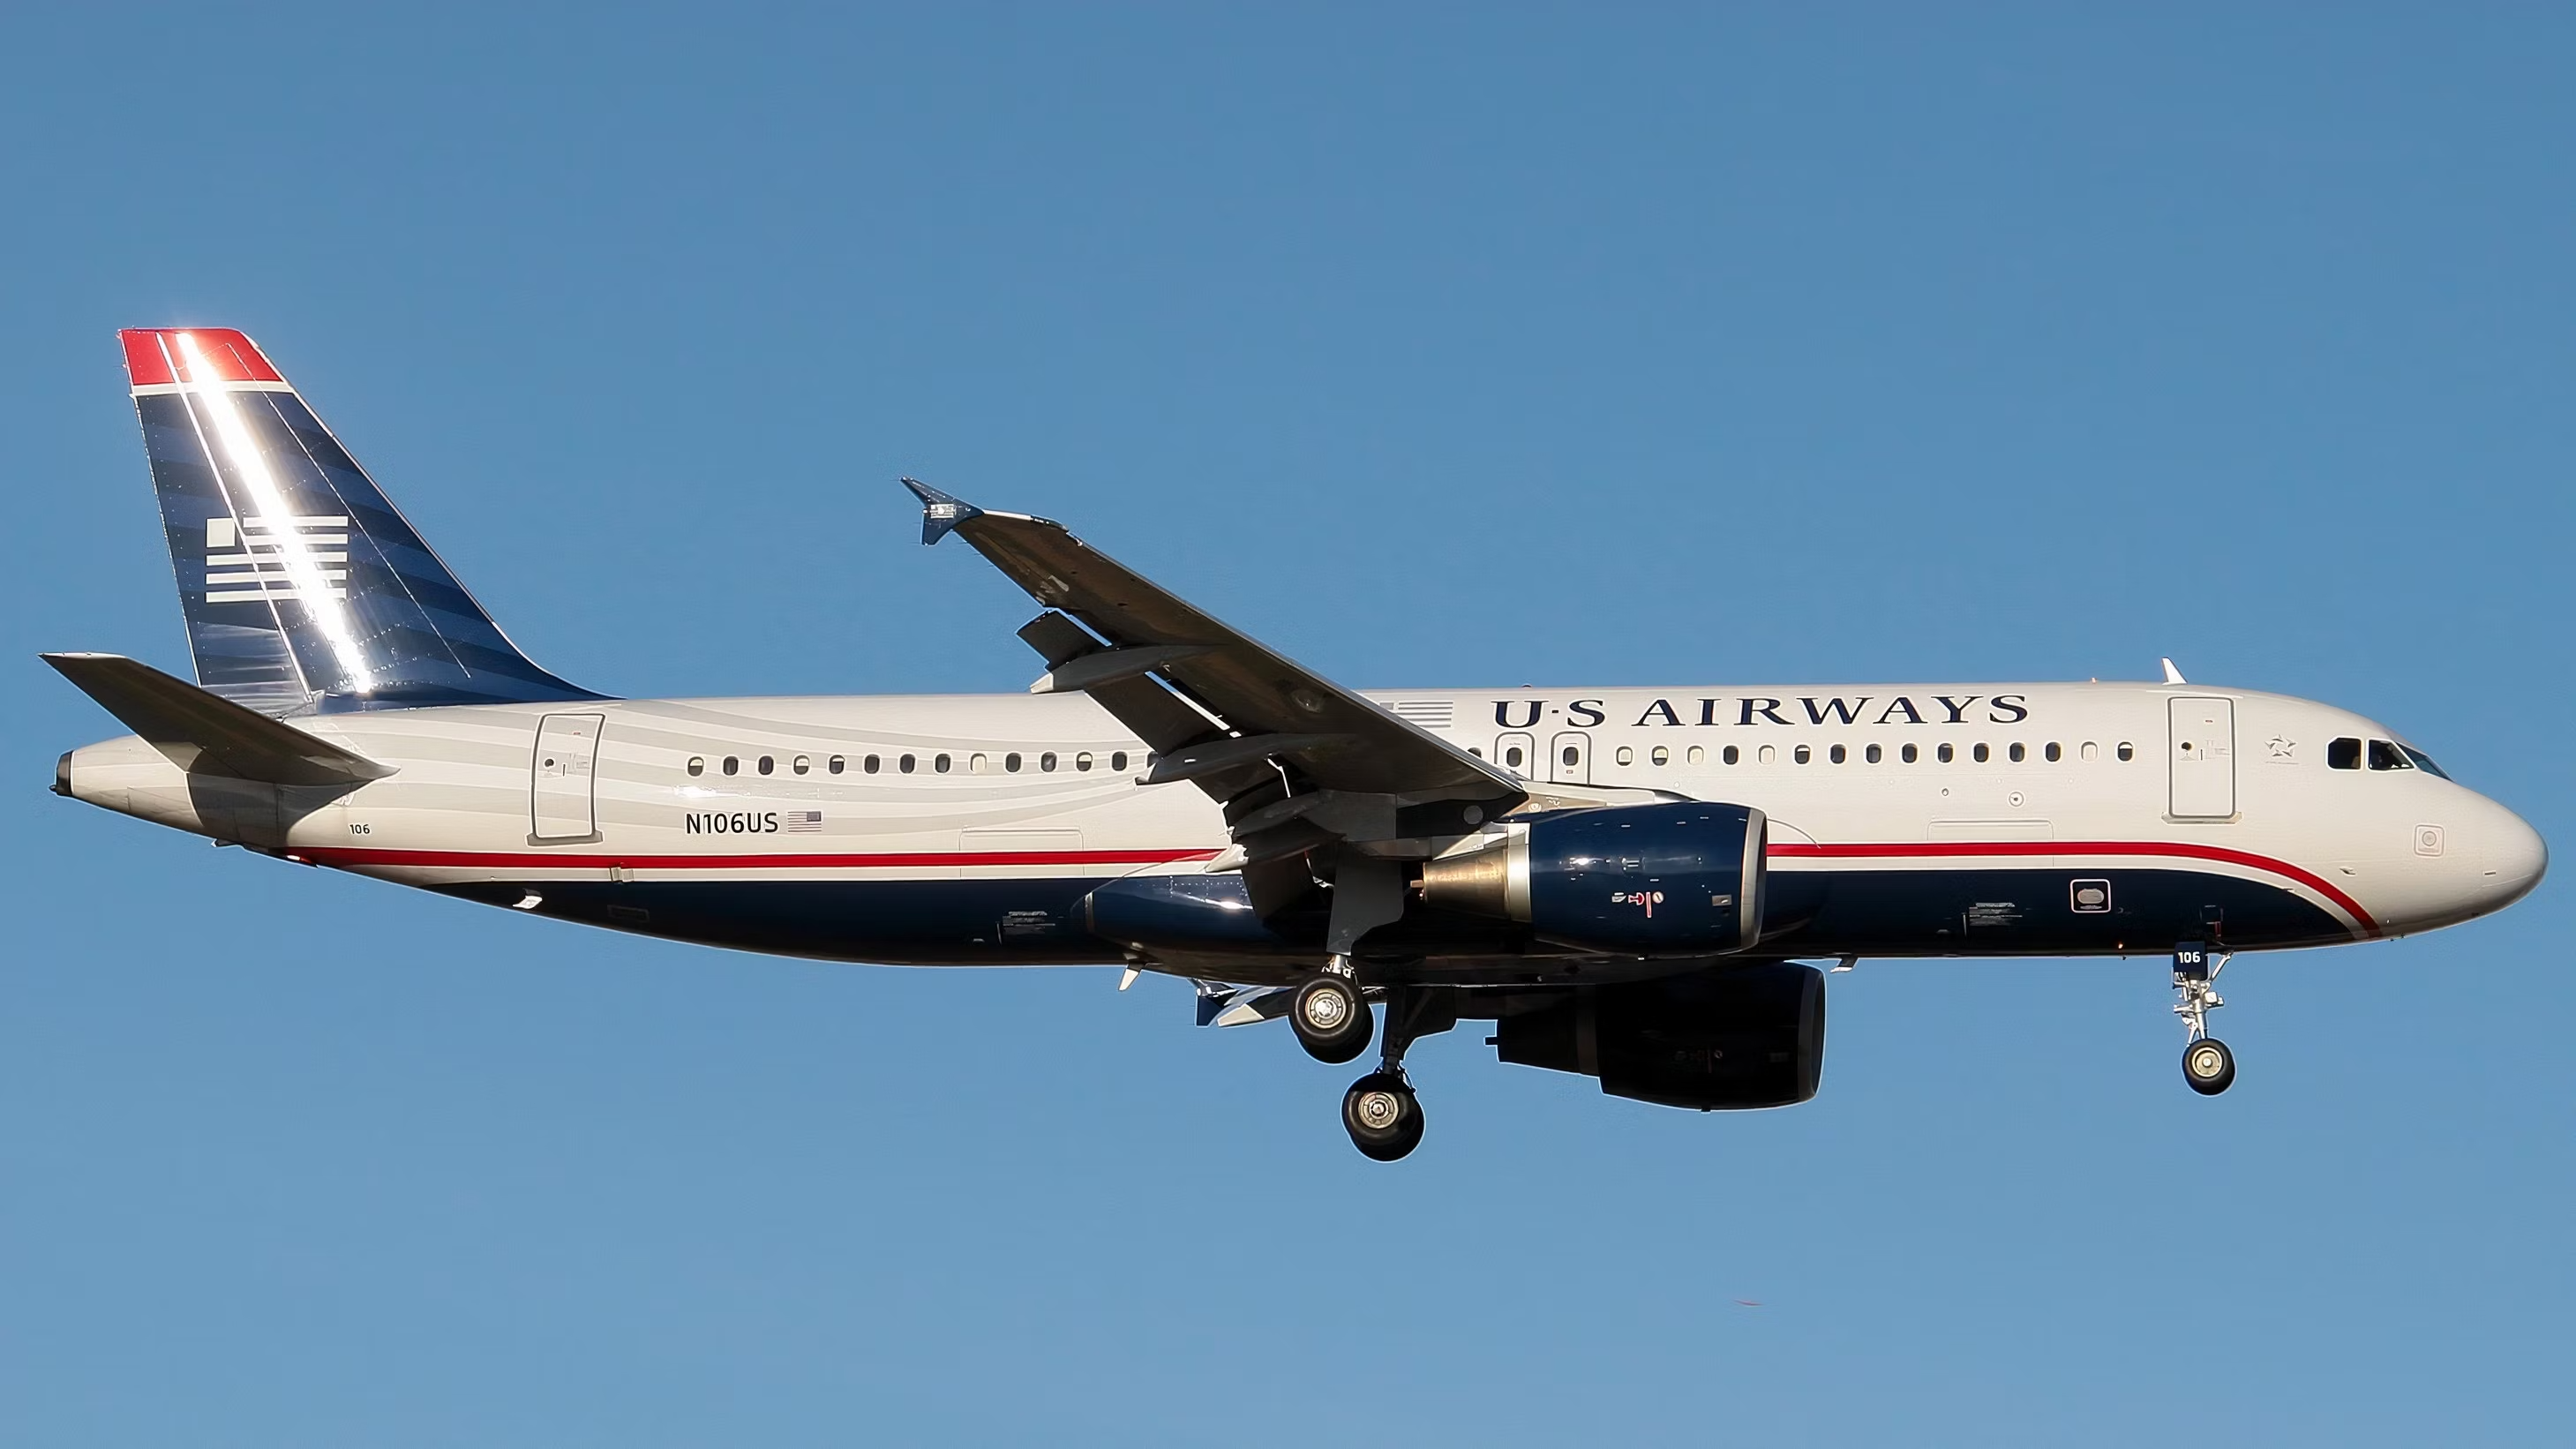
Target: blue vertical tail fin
(304,587)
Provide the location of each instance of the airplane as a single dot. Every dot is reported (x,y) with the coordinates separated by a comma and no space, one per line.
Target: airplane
(1631,884)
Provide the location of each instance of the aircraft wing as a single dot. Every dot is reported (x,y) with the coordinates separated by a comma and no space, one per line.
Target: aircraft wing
(1302,765)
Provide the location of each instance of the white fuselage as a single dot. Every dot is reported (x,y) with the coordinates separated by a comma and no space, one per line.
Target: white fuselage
(1967,819)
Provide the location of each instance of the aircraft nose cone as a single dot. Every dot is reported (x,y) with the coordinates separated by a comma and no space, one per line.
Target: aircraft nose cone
(2516,858)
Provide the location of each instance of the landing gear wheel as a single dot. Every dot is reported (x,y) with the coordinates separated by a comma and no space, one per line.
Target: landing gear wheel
(1331,1019)
(2208,1066)
(1383,1116)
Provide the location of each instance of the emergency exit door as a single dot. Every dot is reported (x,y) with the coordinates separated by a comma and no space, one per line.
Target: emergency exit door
(560,778)
(2201,752)
(1569,758)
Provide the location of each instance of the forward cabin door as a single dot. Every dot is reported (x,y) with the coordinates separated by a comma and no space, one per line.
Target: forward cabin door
(2202,752)
(560,778)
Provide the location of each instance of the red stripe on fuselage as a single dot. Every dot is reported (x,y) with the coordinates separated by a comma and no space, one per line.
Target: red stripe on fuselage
(1952,849)
(910,860)
(944,859)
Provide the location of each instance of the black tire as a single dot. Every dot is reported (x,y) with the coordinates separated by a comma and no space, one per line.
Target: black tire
(1331,1019)
(1383,1116)
(2208,1066)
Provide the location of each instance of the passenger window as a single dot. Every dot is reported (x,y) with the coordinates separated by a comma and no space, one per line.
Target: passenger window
(2092,751)
(904,764)
(1512,757)
(979,764)
(1011,763)
(1836,754)
(2128,751)
(732,765)
(1911,754)
(1803,755)
(697,764)
(1082,761)
(869,764)
(939,763)
(835,764)
(1947,754)
(1573,756)
(2343,754)
(1980,752)
(1768,754)
(2054,753)
(2384,756)
(1661,756)
(2017,753)
(1732,755)
(1873,754)
(1625,756)
(1118,761)
(1696,755)
(1046,762)
(1477,750)
(804,764)
(767,765)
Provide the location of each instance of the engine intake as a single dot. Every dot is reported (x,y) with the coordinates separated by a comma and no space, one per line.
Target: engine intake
(1679,879)
(1731,1038)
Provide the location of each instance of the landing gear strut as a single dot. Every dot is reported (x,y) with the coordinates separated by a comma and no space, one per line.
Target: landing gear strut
(2208,1067)
(1380,1111)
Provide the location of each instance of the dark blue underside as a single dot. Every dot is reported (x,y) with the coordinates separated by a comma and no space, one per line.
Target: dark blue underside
(1041,922)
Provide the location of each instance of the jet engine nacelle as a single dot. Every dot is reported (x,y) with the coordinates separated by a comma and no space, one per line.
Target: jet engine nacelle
(1731,1038)
(1681,879)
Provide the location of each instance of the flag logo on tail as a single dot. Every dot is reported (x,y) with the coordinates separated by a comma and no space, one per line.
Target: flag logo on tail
(254,560)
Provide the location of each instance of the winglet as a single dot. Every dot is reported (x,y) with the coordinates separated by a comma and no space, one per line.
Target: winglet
(940,512)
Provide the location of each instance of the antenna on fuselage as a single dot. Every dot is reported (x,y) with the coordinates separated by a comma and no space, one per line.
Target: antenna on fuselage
(2173,675)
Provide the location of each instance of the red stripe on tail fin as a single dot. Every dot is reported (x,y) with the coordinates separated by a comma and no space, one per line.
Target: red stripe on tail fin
(144,361)
(229,356)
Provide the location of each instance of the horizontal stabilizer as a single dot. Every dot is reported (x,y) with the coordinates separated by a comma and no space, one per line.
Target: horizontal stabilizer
(206,734)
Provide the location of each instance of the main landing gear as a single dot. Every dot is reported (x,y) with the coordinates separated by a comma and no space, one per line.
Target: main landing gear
(1331,1016)
(1380,1110)
(2208,1067)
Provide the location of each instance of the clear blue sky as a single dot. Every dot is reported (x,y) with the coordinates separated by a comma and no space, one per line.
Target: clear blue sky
(1435,346)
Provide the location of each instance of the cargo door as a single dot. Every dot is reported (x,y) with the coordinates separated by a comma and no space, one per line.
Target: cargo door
(561,774)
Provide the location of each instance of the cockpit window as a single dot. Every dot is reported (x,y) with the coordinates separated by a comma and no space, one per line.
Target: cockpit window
(2424,762)
(2344,754)
(2384,756)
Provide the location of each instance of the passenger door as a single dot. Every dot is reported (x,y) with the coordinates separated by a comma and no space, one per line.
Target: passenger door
(2201,748)
(562,805)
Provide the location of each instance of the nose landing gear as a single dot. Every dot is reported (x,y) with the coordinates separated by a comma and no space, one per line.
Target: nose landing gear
(2208,1067)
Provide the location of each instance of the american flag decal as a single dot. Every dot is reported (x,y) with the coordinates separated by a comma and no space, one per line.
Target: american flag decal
(804,822)
(252,560)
